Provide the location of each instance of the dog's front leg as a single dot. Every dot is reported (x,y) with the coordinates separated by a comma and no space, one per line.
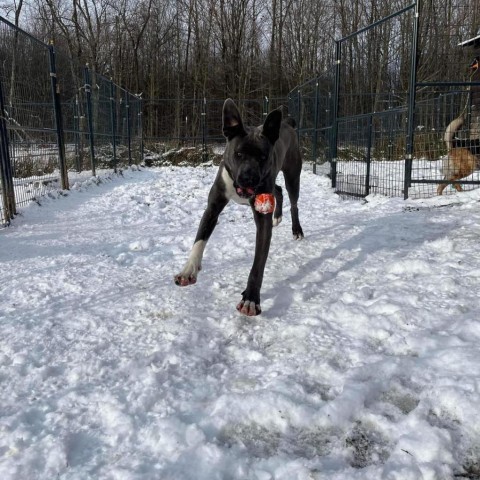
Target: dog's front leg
(216,203)
(250,303)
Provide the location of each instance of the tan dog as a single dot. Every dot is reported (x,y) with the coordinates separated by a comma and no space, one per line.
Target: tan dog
(460,162)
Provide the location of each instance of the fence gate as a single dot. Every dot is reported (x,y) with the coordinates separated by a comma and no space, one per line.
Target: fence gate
(370,130)
(369,158)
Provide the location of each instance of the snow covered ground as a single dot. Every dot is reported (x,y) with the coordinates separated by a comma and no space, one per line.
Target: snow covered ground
(365,363)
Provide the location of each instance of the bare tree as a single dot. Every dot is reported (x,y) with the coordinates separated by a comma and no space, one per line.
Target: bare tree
(134,17)
(308,40)
(189,49)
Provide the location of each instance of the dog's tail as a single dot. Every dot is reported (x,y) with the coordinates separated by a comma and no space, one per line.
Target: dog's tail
(453,126)
(291,121)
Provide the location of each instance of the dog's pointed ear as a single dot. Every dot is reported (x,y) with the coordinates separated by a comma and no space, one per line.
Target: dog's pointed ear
(232,121)
(271,127)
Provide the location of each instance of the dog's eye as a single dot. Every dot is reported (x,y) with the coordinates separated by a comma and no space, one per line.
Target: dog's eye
(239,154)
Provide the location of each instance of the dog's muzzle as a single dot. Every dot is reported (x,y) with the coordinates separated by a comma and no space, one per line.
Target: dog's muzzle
(245,192)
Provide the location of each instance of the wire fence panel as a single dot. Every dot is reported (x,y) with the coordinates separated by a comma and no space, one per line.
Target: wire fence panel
(29,115)
(175,123)
(447,88)
(371,154)
(57,119)
(372,92)
(385,117)
(436,165)
(133,118)
(311,105)
(352,114)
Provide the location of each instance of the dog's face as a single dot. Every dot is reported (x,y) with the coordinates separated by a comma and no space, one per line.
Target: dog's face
(248,154)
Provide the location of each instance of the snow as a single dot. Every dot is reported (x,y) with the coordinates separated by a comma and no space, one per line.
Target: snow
(364,363)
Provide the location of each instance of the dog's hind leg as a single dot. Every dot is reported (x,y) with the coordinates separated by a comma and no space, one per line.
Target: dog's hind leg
(441,187)
(277,215)
(292,182)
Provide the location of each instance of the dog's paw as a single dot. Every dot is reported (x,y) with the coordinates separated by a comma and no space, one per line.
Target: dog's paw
(298,233)
(277,221)
(188,276)
(183,281)
(246,307)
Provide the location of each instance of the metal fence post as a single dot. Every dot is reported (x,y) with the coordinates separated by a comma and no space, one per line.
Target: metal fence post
(412,90)
(299,122)
(336,100)
(140,127)
(315,128)
(58,119)
(8,190)
(369,154)
(129,131)
(88,95)
(77,135)
(113,119)
(204,130)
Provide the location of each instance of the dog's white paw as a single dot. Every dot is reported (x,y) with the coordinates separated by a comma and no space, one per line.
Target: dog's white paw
(277,221)
(188,276)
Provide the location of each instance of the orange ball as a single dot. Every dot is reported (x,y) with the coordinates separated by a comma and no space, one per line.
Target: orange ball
(264,203)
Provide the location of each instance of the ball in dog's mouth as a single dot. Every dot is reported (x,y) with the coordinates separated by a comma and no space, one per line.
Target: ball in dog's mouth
(264,203)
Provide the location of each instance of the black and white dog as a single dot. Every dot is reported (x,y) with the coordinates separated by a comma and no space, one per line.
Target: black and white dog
(252,160)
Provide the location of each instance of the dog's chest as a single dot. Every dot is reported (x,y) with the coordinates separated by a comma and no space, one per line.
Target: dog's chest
(230,192)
